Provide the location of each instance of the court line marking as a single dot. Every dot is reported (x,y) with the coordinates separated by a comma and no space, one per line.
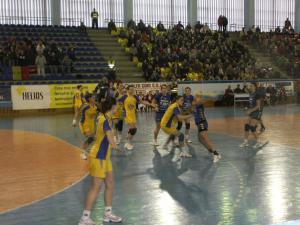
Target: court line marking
(52,194)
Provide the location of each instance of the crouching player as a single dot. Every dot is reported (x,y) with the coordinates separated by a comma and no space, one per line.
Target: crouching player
(201,123)
(100,166)
(87,122)
(169,124)
(254,113)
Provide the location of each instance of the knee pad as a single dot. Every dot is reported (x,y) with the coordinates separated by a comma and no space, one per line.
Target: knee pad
(247,127)
(187,126)
(253,128)
(179,125)
(132,131)
(90,140)
(181,137)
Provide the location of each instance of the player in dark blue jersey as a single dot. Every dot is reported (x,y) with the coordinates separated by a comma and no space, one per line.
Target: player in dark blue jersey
(254,113)
(162,102)
(202,125)
(188,99)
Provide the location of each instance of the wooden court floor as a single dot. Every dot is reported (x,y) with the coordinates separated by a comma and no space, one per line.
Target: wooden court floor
(43,179)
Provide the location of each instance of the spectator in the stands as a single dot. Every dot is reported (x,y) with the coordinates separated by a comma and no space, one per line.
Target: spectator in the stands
(111,26)
(40,63)
(243,34)
(20,55)
(282,96)
(257,29)
(179,26)
(238,89)
(40,48)
(225,23)
(71,53)
(30,53)
(141,26)
(277,30)
(131,24)
(66,65)
(198,26)
(287,23)
(220,23)
(82,27)
(94,16)
(53,59)
(228,96)
(160,27)
(205,28)
(272,92)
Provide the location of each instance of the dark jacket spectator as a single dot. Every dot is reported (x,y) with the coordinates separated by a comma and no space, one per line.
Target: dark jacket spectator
(160,27)
(238,90)
(111,26)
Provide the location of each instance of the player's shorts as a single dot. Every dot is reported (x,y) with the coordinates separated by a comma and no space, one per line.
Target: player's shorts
(170,130)
(202,126)
(256,115)
(87,129)
(158,116)
(99,168)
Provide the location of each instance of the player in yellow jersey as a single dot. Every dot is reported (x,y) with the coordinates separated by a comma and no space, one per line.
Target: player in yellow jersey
(118,116)
(130,102)
(100,165)
(169,124)
(78,100)
(87,122)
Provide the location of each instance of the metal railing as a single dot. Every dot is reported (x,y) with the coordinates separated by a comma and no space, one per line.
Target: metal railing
(28,20)
(25,20)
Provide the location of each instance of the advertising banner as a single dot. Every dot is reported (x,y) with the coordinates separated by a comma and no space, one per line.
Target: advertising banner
(144,88)
(56,96)
(45,96)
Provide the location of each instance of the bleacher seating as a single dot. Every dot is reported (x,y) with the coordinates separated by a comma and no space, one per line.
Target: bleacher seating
(89,63)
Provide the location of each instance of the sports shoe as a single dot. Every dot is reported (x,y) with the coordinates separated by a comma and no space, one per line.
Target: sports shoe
(87,221)
(155,143)
(216,158)
(185,154)
(111,218)
(244,144)
(128,146)
(189,141)
(74,123)
(83,156)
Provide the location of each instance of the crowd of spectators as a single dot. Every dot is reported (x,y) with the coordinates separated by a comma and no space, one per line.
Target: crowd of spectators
(283,45)
(187,53)
(47,57)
